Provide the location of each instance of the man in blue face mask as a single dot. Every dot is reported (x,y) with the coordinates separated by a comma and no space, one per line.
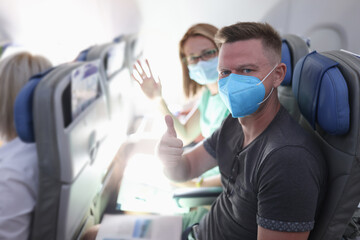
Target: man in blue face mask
(272,170)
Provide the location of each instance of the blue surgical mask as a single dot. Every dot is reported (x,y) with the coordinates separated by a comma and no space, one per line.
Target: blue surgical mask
(204,72)
(242,94)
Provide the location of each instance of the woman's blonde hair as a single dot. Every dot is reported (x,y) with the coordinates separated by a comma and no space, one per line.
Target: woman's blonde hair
(202,29)
(15,72)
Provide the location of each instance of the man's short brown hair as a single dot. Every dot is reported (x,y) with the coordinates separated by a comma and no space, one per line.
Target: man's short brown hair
(271,39)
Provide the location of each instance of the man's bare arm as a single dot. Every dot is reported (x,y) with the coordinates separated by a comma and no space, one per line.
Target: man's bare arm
(178,166)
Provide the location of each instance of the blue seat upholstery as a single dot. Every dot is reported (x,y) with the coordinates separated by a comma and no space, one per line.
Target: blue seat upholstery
(293,48)
(326,87)
(81,57)
(23,118)
(286,58)
(322,94)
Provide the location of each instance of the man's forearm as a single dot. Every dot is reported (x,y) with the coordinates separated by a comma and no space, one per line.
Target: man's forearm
(180,172)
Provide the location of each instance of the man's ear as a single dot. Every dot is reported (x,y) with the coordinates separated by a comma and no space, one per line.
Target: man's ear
(279,72)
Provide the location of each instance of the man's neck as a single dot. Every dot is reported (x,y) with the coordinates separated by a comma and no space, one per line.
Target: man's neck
(255,124)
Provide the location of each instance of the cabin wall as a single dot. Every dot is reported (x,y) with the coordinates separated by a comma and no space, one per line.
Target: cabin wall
(60,29)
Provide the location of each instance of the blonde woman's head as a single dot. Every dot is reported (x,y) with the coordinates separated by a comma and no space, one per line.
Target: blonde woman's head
(15,72)
(203,30)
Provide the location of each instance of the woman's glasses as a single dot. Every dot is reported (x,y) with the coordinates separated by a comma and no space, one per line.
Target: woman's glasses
(205,55)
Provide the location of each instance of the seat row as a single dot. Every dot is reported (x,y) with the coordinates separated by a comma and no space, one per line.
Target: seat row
(321,91)
(78,114)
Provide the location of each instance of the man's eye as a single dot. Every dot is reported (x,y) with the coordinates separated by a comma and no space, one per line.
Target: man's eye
(224,73)
(247,70)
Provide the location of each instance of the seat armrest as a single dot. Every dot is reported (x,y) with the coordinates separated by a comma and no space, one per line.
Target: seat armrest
(193,197)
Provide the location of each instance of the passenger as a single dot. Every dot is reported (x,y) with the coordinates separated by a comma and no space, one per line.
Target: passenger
(273,172)
(18,160)
(199,58)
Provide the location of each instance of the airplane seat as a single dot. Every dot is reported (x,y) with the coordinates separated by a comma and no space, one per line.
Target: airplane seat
(133,49)
(81,57)
(326,87)
(293,48)
(64,112)
(114,58)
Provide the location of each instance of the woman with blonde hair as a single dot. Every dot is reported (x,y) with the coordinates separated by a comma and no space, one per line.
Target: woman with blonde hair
(18,160)
(198,55)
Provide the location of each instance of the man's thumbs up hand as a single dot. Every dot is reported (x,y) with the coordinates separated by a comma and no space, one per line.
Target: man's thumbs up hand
(170,148)
(170,126)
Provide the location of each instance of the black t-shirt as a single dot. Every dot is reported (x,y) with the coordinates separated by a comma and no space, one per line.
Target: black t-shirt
(277,181)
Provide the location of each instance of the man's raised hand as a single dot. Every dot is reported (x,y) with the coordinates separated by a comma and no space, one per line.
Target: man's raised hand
(170,148)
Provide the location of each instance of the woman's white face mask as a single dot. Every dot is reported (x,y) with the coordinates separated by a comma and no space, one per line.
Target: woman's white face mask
(204,72)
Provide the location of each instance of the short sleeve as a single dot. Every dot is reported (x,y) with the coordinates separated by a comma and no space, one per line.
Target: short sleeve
(211,143)
(209,148)
(288,190)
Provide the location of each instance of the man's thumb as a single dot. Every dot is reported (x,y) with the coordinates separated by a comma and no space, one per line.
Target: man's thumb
(170,125)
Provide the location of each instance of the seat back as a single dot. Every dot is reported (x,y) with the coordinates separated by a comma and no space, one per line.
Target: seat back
(293,48)
(326,87)
(69,123)
(133,48)
(115,58)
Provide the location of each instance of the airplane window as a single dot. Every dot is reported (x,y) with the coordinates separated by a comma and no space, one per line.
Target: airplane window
(115,59)
(84,87)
